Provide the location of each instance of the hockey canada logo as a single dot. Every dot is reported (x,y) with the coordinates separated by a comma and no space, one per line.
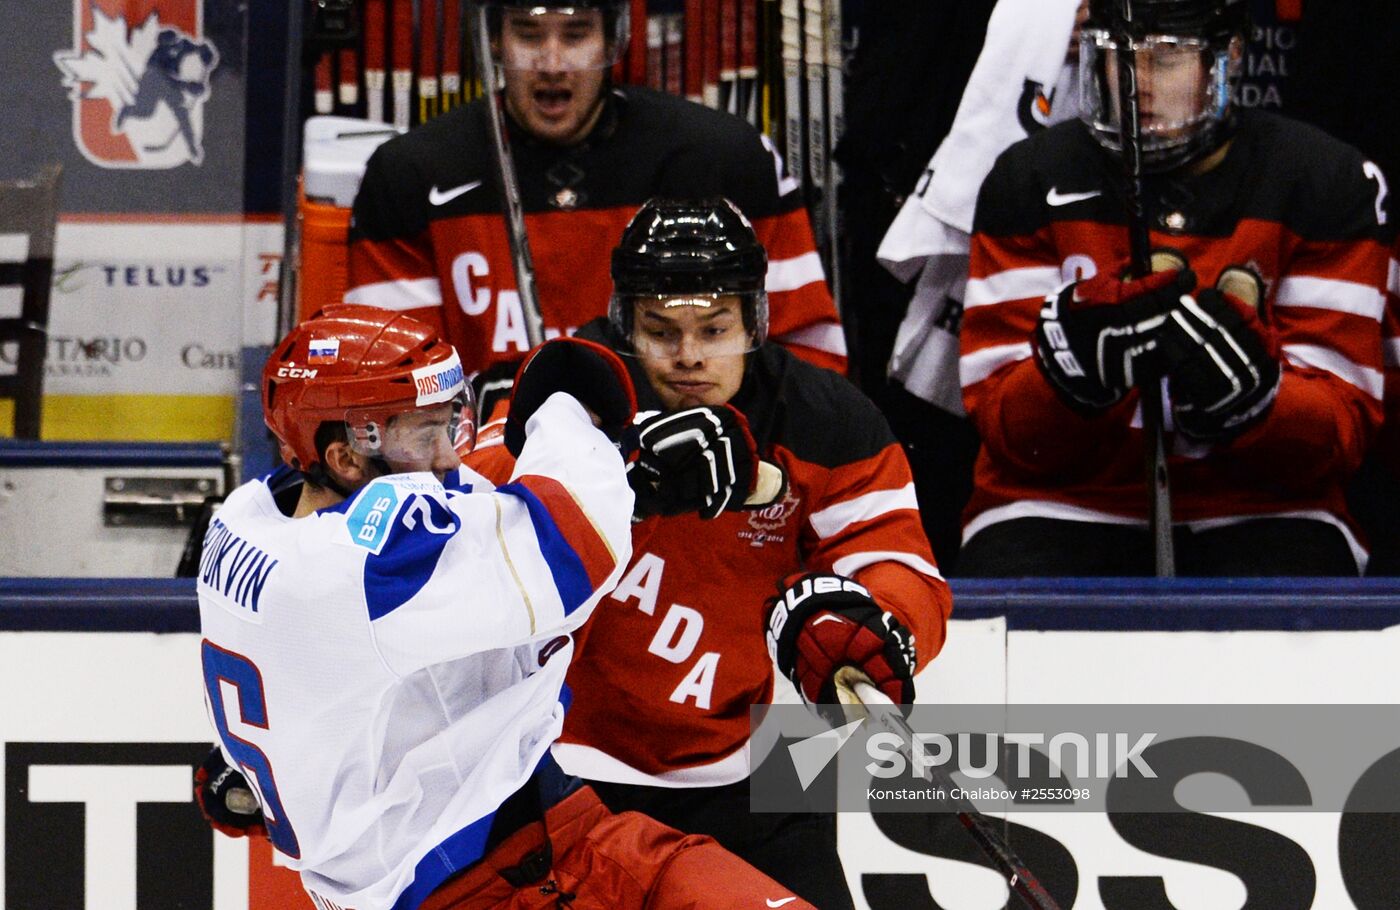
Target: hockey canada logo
(765,524)
(138,85)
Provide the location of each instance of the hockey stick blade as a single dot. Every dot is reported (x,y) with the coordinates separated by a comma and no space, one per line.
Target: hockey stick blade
(770,485)
(858,695)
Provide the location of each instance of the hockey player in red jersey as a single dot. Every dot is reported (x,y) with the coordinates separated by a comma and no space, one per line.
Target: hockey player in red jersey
(1272,382)
(669,666)
(427,236)
(385,636)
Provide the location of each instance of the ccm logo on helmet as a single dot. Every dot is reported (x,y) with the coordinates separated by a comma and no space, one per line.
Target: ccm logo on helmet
(439,382)
(295,373)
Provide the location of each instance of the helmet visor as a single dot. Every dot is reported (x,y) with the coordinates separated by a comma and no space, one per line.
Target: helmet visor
(554,39)
(416,439)
(1183,84)
(694,326)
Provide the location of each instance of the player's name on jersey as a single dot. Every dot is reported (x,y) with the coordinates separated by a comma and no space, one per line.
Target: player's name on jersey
(234,567)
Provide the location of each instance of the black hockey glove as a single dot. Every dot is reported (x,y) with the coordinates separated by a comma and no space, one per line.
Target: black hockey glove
(1222,362)
(824,622)
(588,371)
(224,797)
(1095,338)
(701,459)
(493,386)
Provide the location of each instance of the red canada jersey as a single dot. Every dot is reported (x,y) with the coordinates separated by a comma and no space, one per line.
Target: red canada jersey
(427,235)
(667,667)
(1390,430)
(1299,207)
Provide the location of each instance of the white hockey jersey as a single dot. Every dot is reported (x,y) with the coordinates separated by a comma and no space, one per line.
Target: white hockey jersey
(386,672)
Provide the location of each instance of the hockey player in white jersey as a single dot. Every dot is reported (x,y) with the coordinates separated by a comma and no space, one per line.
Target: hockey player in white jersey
(385,636)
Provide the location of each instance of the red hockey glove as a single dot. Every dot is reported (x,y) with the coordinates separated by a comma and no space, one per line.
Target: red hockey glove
(1095,338)
(701,460)
(588,371)
(1222,362)
(228,803)
(824,622)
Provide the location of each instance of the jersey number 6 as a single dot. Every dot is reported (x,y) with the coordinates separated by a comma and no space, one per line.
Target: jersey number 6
(222,666)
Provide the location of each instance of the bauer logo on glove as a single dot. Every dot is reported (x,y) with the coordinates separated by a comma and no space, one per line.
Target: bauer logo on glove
(821,623)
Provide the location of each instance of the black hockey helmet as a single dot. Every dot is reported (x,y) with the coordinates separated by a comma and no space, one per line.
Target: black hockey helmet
(616,27)
(700,249)
(1163,30)
(1214,19)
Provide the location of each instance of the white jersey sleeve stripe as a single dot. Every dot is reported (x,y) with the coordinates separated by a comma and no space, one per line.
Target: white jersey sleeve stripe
(836,518)
(791,274)
(850,565)
(824,336)
(977,366)
(1370,381)
(1012,284)
(398,295)
(1331,294)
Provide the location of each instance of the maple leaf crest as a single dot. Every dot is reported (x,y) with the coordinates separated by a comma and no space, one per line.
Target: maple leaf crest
(111,66)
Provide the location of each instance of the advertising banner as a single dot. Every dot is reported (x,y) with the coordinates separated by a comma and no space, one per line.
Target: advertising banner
(102,731)
(142,103)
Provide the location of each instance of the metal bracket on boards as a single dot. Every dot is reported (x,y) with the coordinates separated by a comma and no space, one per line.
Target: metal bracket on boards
(154,502)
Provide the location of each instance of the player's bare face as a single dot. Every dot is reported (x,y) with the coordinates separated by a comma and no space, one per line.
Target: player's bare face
(691,349)
(555,65)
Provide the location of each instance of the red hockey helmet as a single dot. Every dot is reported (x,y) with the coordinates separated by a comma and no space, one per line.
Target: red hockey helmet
(362,366)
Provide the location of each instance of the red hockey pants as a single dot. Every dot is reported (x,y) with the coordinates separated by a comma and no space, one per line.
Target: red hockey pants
(604,861)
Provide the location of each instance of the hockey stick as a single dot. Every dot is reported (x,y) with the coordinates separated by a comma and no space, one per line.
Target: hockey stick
(729,56)
(428,84)
(374,60)
(693,80)
(859,696)
(1140,252)
(451,54)
(814,66)
(710,34)
(401,62)
(510,190)
(748,60)
(324,99)
(672,53)
(836,126)
(348,90)
(792,96)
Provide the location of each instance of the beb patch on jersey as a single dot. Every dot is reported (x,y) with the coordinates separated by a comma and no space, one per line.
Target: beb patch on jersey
(372,515)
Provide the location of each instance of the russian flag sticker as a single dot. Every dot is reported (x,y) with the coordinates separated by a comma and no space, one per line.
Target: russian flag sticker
(323,351)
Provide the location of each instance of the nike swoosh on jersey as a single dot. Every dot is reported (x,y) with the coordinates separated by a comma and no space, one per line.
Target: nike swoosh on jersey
(442,197)
(1055,197)
(830,617)
(772,903)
